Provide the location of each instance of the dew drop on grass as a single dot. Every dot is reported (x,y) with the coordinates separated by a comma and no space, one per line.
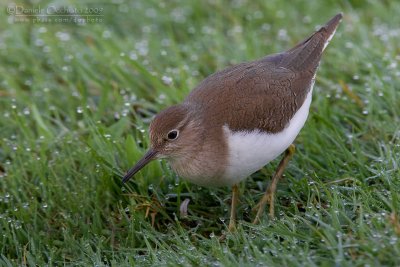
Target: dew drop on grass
(133,55)
(393,240)
(44,205)
(142,47)
(42,30)
(106,34)
(17,225)
(79,110)
(365,112)
(28,83)
(75,93)
(167,80)
(282,35)
(39,42)
(68,58)
(124,112)
(63,36)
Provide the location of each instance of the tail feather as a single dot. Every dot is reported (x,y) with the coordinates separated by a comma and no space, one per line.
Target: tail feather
(307,54)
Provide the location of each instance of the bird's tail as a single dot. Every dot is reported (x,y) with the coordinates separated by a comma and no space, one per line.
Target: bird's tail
(307,54)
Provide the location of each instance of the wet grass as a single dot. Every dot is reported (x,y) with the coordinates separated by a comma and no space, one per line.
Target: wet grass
(76,101)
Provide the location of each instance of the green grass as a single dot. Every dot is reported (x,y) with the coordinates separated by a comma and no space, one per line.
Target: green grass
(76,102)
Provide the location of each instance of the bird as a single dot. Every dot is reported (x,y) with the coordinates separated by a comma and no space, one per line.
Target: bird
(239,119)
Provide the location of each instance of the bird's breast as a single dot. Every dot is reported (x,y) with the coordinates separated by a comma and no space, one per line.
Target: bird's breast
(205,165)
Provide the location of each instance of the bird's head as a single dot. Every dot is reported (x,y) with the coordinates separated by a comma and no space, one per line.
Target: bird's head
(174,133)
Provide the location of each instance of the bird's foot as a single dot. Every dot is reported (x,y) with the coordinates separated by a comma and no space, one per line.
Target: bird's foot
(269,195)
(232,226)
(268,198)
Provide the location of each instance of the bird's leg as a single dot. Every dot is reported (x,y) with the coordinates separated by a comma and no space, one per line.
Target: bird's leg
(269,194)
(232,220)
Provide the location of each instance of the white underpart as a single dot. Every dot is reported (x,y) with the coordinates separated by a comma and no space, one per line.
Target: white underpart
(250,151)
(328,40)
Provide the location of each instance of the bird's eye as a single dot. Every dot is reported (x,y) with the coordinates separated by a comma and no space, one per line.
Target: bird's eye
(172,135)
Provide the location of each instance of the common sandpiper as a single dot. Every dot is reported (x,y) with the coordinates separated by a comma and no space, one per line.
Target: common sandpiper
(239,119)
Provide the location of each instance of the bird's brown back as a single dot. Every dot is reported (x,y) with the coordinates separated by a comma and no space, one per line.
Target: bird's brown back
(266,93)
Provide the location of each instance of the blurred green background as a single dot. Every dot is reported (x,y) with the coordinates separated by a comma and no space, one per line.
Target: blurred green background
(76,100)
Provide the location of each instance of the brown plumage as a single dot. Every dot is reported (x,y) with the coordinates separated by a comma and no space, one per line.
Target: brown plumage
(267,92)
(263,94)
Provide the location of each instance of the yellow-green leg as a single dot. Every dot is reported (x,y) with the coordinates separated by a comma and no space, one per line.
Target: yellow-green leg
(269,195)
(235,197)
